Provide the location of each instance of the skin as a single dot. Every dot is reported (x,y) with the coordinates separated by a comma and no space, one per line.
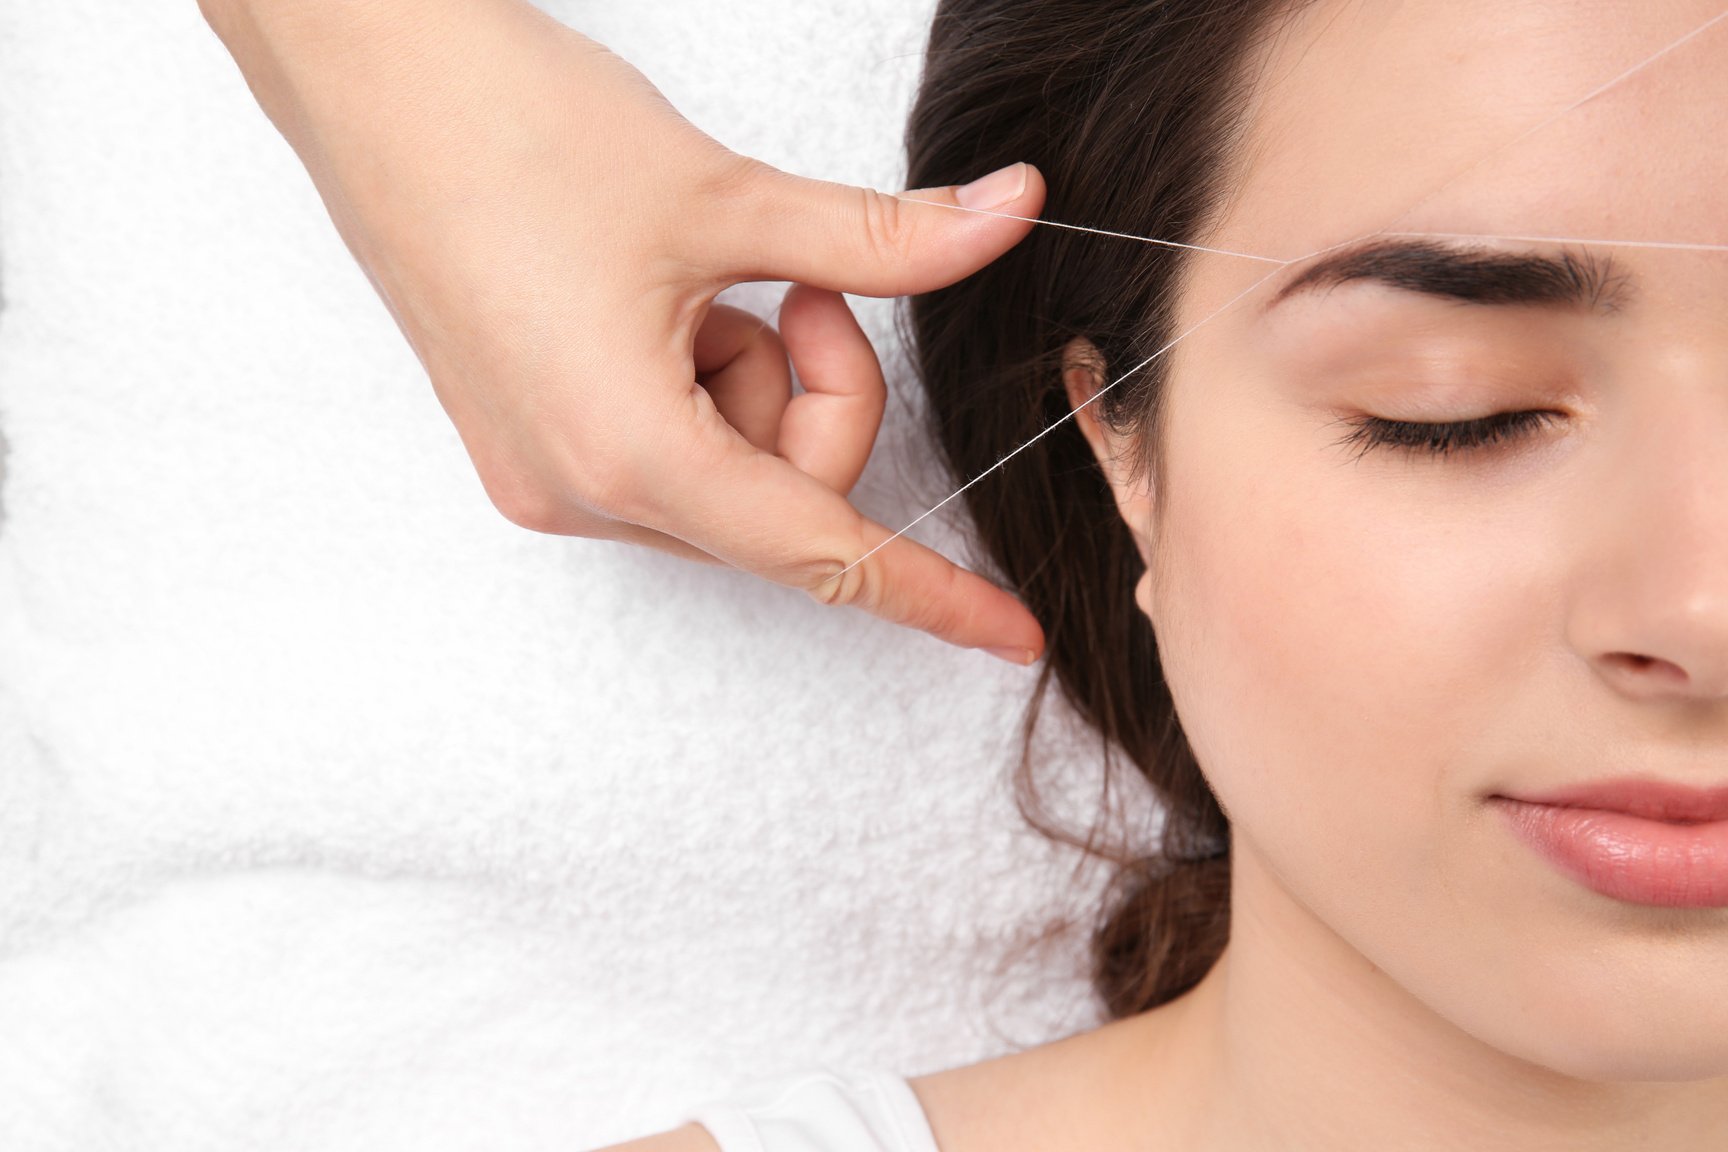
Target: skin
(1364,650)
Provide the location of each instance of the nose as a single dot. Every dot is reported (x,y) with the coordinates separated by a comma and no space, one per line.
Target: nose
(1652,608)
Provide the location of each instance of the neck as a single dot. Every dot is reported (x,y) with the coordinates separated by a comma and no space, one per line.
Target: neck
(1295,1041)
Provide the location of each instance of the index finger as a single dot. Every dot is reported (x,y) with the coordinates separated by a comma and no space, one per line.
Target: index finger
(758,512)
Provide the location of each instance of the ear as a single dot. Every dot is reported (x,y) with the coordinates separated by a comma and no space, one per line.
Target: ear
(1083,371)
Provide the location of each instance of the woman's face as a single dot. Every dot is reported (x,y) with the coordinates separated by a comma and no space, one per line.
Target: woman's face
(1364,647)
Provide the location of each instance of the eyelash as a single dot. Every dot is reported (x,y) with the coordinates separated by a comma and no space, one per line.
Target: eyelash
(1371,432)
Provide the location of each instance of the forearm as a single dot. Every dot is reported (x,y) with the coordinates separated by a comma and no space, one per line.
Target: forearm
(319,62)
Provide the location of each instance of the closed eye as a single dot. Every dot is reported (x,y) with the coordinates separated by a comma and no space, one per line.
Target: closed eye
(1463,436)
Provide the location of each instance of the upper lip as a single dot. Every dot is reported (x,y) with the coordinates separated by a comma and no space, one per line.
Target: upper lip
(1650,799)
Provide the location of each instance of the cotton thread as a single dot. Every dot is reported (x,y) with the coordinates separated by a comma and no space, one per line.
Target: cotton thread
(1600,90)
(1593,94)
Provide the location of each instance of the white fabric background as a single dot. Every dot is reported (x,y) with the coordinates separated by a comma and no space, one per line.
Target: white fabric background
(337,812)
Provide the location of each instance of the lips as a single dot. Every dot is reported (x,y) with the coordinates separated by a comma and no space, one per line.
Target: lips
(1639,841)
(1648,799)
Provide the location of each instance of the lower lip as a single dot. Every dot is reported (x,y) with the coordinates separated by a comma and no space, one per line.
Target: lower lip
(1628,857)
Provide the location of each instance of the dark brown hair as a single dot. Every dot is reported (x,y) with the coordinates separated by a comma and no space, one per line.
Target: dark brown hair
(1129,108)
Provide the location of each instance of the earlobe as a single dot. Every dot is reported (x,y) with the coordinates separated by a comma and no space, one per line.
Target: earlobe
(1143,593)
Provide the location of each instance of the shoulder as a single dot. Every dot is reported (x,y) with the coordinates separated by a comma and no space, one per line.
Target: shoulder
(1064,1096)
(1054,1098)
(689,1138)
(820,1109)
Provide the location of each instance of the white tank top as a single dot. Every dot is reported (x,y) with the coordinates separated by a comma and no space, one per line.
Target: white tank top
(825,1109)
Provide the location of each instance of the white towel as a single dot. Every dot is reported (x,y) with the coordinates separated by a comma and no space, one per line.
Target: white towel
(337,812)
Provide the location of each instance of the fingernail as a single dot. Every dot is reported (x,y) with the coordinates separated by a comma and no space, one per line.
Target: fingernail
(1020,656)
(1002,186)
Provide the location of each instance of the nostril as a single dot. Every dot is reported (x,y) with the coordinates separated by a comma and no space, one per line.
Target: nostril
(1647,666)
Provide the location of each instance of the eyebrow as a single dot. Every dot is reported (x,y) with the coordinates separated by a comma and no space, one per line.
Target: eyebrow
(1570,278)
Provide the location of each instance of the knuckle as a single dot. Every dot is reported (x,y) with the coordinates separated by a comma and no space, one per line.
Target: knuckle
(529,498)
(832,583)
(887,233)
(526,506)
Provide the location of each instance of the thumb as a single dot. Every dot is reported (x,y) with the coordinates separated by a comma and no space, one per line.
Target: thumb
(849,239)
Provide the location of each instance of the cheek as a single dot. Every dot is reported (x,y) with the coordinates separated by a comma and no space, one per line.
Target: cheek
(1358,656)
(1340,642)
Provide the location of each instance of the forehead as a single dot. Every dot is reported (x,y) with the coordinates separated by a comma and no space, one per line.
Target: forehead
(1369,114)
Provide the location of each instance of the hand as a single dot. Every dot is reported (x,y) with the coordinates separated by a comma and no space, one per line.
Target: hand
(550,234)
